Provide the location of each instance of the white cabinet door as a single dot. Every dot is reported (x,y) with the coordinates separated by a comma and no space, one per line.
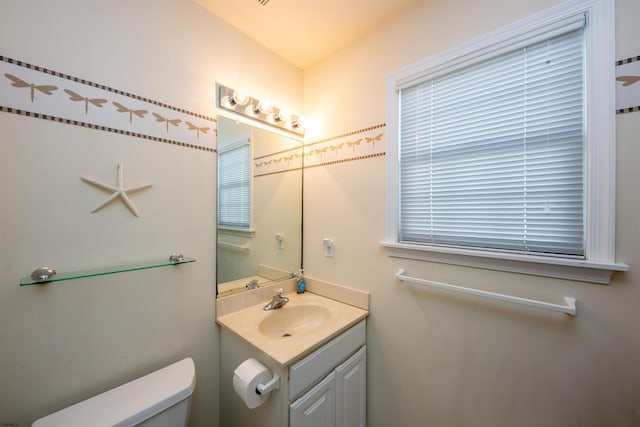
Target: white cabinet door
(316,408)
(314,367)
(351,386)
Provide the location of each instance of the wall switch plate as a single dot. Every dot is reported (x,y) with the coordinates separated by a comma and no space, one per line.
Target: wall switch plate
(280,240)
(328,247)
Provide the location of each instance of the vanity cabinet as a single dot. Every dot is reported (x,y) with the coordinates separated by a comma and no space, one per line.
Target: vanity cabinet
(325,388)
(338,400)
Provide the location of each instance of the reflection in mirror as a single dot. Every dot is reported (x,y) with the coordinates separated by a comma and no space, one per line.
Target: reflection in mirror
(259,220)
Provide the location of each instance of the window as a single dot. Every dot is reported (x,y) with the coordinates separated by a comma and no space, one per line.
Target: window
(235,185)
(491,157)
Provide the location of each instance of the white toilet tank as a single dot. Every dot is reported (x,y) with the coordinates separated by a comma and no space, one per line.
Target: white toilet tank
(159,399)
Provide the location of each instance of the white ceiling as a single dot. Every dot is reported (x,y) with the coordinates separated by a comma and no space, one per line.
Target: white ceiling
(305,31)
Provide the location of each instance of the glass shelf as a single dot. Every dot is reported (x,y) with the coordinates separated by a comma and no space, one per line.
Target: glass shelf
(104,271)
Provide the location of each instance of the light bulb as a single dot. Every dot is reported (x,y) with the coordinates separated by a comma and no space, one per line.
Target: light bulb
(262,107)
(238,98)
(283,115)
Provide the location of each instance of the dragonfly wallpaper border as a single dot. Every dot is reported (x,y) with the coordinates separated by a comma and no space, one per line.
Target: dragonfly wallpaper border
(41,93)
(358,145)
(628,85)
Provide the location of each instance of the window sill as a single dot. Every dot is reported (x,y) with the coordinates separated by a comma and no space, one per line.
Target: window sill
(572,269)
(244,232)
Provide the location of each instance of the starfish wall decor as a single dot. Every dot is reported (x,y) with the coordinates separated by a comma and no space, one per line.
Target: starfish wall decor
(118,192)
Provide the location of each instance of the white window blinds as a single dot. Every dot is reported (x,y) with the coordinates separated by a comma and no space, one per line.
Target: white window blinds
(234,186)
(491,155)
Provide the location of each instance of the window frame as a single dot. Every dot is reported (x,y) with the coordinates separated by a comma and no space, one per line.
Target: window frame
(599,262)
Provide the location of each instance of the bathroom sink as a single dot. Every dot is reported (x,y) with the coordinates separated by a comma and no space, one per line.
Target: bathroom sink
(288,333)
(290,321)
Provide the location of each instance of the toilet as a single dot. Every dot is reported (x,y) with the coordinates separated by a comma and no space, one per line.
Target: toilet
(159,399)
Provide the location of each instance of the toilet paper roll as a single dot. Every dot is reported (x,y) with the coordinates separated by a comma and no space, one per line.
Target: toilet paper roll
(246,378)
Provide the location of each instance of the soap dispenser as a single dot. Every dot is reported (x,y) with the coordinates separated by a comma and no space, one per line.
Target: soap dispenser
(301,286)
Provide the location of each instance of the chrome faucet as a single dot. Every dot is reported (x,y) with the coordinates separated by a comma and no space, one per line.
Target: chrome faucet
(277,301)
(252,284)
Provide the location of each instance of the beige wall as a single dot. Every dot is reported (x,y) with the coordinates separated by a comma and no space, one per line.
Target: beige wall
(66,341)
(434,358)
(441,359)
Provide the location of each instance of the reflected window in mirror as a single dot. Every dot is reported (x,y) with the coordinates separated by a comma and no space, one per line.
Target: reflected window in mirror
(235,184)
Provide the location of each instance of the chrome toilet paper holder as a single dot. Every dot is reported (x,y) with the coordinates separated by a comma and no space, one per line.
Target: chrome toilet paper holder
(273,384)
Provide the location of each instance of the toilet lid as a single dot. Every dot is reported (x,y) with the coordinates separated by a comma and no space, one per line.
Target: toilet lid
(130,403)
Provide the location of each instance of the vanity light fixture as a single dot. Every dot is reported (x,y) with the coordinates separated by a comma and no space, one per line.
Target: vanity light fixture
(260,110)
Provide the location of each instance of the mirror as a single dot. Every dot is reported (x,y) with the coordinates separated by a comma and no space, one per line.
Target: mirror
(259,221)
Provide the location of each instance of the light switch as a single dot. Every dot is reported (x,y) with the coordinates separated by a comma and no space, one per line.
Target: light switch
(328,247)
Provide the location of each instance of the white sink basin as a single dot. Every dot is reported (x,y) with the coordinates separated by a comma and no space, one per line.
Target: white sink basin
(291,321)
(288,333)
